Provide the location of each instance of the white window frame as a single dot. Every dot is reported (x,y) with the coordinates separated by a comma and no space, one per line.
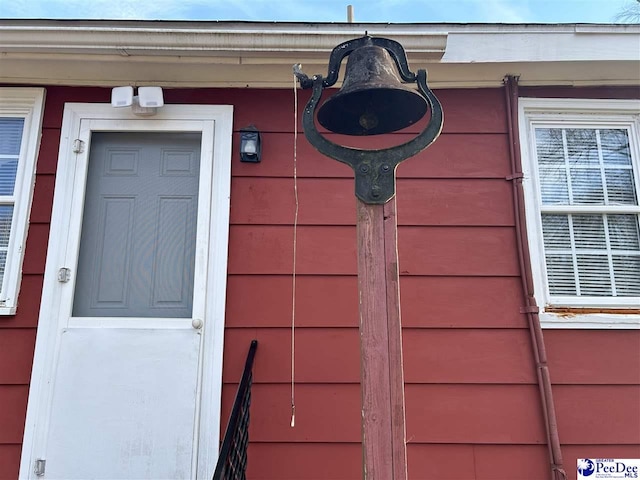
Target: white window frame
(608,312)
(27,103)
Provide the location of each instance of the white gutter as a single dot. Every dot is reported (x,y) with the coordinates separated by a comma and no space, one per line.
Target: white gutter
(216,39)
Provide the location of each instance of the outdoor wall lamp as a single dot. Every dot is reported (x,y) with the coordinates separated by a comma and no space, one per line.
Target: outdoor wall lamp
(250,145)
(146,103)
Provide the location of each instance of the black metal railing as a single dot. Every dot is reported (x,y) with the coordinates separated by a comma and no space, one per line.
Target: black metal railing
(232,462)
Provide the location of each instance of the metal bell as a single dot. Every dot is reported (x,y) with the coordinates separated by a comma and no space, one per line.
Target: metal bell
(372,100)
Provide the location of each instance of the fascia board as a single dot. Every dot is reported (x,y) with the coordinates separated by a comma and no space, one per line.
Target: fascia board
(563,46)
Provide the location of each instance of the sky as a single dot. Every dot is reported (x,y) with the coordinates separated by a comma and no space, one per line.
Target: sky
(386,11)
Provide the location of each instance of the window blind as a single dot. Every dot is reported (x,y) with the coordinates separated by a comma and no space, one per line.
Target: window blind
(11,131)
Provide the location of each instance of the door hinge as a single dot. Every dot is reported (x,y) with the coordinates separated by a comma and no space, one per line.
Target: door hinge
(38,467)
(64,274)
(78,146)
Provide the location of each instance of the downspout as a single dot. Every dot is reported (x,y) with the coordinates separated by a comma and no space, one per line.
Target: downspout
(530,309)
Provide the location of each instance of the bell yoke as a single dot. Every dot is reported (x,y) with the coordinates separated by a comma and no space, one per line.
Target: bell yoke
(372,101)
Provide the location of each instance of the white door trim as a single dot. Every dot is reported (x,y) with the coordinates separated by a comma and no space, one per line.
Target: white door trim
(215,123)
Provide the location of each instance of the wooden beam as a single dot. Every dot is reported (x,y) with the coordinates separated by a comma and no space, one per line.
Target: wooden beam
(382,379)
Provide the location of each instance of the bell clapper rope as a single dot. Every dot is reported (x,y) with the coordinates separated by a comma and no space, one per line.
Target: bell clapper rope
(295,243)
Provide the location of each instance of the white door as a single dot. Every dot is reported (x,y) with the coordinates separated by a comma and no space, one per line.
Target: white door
(126,380)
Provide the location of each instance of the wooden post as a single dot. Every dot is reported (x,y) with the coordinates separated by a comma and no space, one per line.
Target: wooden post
(382,379)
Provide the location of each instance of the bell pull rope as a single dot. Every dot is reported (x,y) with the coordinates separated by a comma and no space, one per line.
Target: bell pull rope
(295,244)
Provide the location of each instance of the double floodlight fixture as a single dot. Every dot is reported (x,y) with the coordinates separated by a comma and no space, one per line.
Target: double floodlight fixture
(146,102)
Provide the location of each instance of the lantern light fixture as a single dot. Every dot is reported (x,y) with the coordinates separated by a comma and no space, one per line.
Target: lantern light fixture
(250,145)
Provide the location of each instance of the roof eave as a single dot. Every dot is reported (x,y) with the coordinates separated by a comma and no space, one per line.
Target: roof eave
(261,54)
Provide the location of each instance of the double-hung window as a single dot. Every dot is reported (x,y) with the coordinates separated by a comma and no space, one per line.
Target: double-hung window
(20,124)
(582,184)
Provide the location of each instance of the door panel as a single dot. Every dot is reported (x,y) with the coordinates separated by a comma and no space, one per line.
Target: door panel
(137,247)
(137,253)
(124,403)
(118,413)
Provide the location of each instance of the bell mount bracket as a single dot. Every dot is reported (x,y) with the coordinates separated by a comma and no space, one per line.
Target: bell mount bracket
(375,170)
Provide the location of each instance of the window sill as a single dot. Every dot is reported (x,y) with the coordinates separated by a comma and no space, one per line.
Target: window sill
(7,310)
(603,320)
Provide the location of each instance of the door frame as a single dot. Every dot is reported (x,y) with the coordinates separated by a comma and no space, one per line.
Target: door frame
(215,124)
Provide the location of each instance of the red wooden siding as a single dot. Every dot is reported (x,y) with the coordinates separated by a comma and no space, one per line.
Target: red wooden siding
(9,460)
(613,357)
(473,407)
(267,201)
